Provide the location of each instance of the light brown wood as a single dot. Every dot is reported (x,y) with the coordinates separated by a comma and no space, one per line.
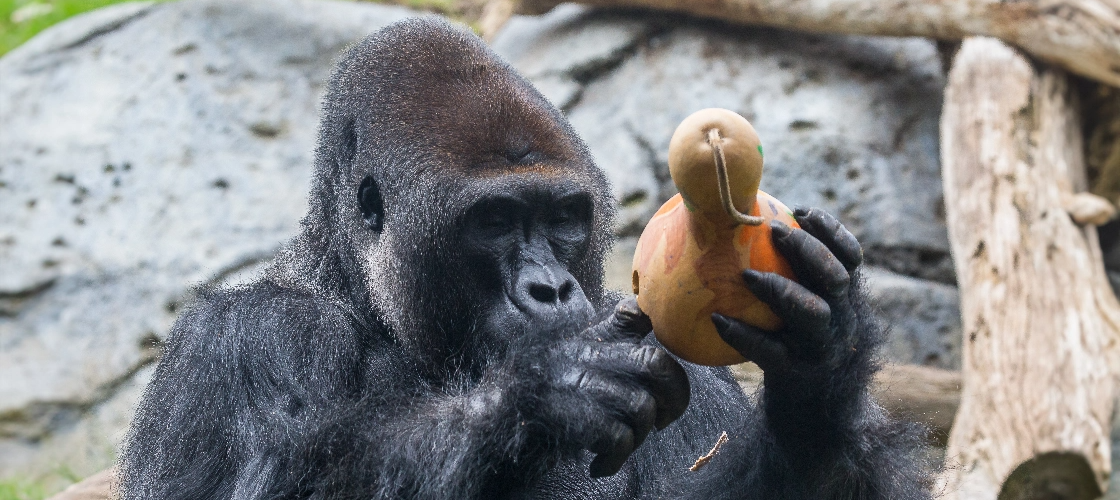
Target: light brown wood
(1040,322)
(1088,208)
(96,487)
(1081,35)
(495,13)
(917,393)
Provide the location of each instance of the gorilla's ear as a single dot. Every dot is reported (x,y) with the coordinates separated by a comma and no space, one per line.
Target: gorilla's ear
(369,199)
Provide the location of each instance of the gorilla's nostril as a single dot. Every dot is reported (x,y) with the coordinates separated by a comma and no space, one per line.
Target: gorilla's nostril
(543,293)
(565,291)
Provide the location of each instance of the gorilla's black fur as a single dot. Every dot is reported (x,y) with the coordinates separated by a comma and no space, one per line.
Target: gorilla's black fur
(432,332)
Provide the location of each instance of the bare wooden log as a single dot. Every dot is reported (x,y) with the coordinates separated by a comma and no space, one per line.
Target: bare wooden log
(1082,36)
(1088,208)
(1040,322)
(495,13)
(917,393)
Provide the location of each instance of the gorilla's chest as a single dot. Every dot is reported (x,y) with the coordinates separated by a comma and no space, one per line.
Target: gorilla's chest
(570,480)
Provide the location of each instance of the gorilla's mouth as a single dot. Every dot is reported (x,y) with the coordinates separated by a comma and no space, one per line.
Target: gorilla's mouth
(509,319)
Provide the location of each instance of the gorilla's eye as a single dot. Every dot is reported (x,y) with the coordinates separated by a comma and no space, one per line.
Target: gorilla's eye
(496,218)
(369,200)
(571,211)
(517,154)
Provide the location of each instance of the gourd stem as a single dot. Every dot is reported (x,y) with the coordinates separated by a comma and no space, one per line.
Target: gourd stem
(716,142)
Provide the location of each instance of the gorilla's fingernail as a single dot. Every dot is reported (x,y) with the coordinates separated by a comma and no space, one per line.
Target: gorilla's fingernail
(720,321)
(800,210)
(629,306)
(751,276)
(779,228)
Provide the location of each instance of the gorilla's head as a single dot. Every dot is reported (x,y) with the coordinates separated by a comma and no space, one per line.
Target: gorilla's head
(452,205)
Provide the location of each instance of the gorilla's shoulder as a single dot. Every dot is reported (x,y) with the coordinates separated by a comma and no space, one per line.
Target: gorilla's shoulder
(263,297)
(266,312)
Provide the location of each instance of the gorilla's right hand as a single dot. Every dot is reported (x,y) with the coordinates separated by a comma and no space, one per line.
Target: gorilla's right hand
(609,390)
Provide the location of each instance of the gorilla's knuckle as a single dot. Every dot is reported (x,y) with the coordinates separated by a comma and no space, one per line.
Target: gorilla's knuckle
(587,352)
(820,310)
(644,355)
(627,307)
(838,278)
(643,406)
(578,379)
(660,361)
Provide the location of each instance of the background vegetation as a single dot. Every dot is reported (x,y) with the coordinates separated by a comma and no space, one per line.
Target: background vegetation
(22,19)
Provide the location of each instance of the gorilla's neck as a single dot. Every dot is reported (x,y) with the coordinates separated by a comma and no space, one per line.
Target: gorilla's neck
(310,264)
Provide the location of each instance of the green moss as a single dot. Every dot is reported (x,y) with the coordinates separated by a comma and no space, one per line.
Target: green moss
(15,489)
(22,19)
(441,6)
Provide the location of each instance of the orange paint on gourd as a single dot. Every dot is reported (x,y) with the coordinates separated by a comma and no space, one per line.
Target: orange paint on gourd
(689,258)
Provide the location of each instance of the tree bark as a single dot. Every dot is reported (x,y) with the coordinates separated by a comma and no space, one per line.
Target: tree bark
(1082,36)
(1040,322)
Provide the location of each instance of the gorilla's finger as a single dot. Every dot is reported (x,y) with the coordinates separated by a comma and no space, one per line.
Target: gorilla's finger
(753,343)
(633,407)
(627,324)
(613,445)
(832,233)
(802,310)
(628,317)
(606,465)
(813,263)
(651,368)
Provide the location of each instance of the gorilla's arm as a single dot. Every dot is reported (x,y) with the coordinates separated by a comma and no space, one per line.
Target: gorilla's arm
(269,393)
(244,376)
(544,402)
(815,433)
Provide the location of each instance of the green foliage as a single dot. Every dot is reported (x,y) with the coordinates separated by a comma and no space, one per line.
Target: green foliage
(14,489)
(38,486)
(441,6)
(22,19)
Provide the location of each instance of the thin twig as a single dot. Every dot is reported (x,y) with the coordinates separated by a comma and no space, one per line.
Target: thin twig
(716,142)
(702,461)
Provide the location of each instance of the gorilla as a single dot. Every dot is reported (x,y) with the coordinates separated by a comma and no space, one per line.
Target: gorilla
(439,328)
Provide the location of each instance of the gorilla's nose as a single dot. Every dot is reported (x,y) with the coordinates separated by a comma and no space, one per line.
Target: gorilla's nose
(547,292)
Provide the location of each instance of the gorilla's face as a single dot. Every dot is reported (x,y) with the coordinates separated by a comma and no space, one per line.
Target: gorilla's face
(519,244)
(489,255)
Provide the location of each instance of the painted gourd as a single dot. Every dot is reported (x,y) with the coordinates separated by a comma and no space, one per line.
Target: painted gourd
(690,256)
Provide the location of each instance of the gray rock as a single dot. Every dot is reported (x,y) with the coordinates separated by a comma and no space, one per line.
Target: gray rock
(561,51)
(848,123)
(146,149)
(923,318)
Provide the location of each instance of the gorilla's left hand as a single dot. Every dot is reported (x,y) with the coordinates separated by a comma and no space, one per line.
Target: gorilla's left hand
(819,332)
